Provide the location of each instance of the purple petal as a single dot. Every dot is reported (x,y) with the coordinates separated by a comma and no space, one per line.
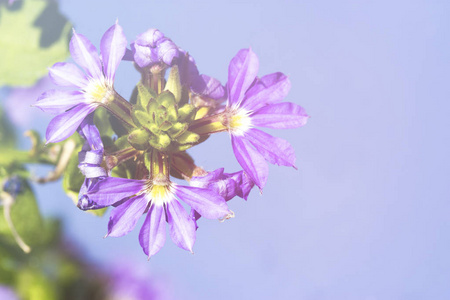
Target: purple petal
(150,38)
(210,87)
(203,181)
(206,202)
(128,56)
(65,124)
(245,187)
(142,55)
(280,116)
(242,72)
(182,227)
(67,74)
(124,217)
(167,51)
(272,88)
(85,54)
(113,46)
(275,150)
(112,190)
(153,233)
(250,160)
(58,101)
(187,68)
(91,134)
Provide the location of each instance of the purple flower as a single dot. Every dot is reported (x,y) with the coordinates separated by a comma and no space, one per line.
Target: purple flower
(254,102)
(18,101)
(200,85)
(158,198)
(94,85)
(132,281)
(7,293)
(152,47)
(90,160)
(227,185)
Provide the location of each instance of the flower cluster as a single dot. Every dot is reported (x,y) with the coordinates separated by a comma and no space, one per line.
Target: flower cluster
(172,109)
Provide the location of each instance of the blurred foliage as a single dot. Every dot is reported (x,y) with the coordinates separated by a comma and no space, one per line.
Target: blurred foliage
(33,36)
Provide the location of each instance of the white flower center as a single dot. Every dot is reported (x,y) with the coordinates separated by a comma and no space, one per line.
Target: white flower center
(99,91)
(238,121)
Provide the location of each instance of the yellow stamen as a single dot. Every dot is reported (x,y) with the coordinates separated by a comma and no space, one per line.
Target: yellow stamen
(99,91)
(239,121)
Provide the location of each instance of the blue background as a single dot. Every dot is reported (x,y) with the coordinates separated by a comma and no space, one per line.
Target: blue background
(366,216)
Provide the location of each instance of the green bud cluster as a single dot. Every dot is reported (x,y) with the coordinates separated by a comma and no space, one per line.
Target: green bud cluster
(162,122)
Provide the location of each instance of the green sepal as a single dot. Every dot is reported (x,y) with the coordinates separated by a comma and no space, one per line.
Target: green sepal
(173,83)
(152,106)
(160,142)
(186,113)
(143,118)
(188,137)
(144,95)
(166,125)
(178,148)
(166,99)
(177,129)
(161,115)
(154,128)
(172,113)
(138,138)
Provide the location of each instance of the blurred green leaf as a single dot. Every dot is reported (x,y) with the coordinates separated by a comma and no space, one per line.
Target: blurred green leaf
(32,284)
(32,38)
(26,218)
(7,138)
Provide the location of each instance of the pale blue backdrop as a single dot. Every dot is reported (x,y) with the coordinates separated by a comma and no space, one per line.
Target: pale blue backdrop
(367,215)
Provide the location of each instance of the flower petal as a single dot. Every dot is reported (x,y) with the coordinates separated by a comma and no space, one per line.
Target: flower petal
(58,101)
(206,202)
(85,55)
(153,233)
(91,134)
(280,116)
(65,124)
(182,227)
(124,217)
(275,150)
(270,89)
(112,190)
(112,46)
(242,72)
(67,74)
(205,85)
(250,160)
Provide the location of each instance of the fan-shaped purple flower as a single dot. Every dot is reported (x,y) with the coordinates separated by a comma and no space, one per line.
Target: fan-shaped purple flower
(94,84)
(254,102)
(133,198)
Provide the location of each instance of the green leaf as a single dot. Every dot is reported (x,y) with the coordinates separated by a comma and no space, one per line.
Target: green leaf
(25,217)
(7,138)
(32,39)
(33,284)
